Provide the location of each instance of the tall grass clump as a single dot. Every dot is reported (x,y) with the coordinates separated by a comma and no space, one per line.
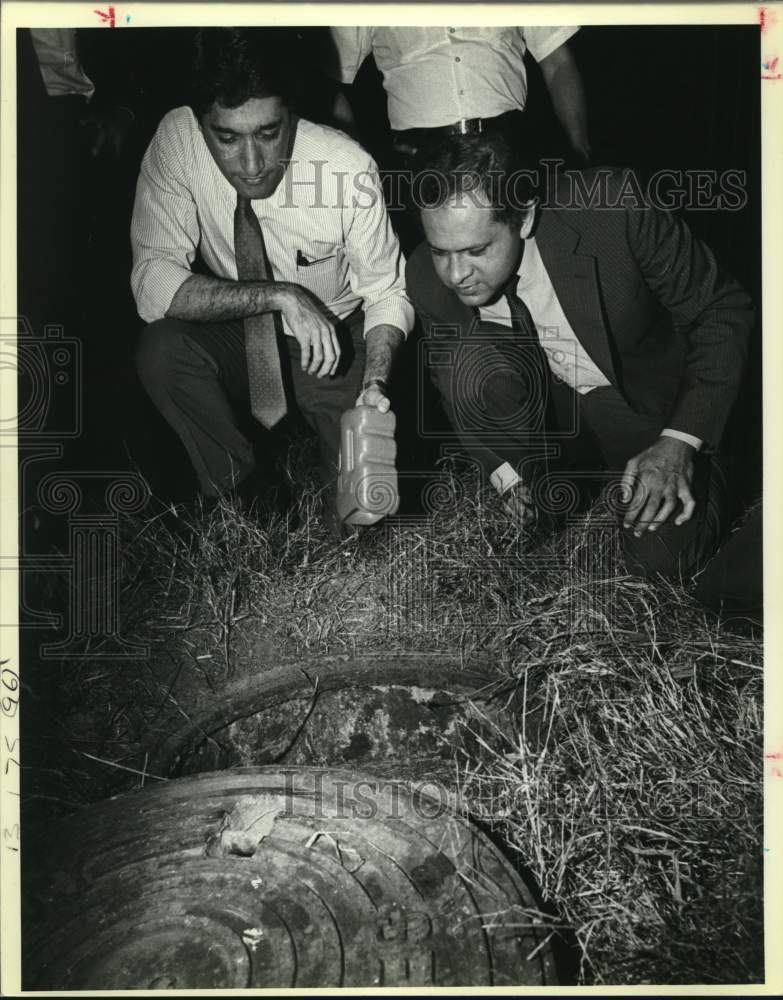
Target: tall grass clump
(629,783)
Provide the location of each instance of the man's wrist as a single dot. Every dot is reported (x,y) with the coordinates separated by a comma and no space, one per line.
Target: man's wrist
(274,296)
(690,439)
(383,341)
(375,383)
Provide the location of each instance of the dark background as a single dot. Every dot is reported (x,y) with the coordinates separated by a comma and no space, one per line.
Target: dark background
(659,97)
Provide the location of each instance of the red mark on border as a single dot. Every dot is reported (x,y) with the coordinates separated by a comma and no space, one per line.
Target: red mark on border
(106,16)
(767,18)
(768,66)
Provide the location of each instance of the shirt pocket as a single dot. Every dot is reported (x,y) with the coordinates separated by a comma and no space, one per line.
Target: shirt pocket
(319,267)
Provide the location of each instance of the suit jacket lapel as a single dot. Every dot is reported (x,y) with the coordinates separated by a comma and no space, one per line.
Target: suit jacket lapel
(574,276)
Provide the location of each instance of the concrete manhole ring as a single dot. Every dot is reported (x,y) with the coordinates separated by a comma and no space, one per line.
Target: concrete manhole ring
(389,714)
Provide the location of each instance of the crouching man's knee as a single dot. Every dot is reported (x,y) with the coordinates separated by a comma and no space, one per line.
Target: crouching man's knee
(677,553)
(161,347)
(650,556)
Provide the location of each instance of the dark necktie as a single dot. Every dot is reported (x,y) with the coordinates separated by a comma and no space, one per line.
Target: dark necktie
(267,395)
(534,364)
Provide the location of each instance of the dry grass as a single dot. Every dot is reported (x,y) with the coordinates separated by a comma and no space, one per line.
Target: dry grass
(635,800)
(631,784)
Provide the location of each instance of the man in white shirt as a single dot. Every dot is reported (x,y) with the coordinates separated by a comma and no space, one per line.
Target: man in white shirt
(334,270)
(551,325)
(465,79)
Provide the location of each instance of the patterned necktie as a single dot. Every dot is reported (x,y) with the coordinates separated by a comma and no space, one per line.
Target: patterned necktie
(534,364)
(267,395)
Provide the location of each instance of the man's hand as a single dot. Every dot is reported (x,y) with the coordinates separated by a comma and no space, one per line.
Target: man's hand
(518,504)
(310,325)
(374,397)
(655,480)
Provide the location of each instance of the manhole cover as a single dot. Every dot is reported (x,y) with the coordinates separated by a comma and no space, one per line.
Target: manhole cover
(267,877)
(393,716)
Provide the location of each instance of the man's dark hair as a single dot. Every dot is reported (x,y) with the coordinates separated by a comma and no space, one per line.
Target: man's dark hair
(234,65)
(462,165)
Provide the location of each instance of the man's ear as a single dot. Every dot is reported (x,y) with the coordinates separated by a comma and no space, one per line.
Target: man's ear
(528,219)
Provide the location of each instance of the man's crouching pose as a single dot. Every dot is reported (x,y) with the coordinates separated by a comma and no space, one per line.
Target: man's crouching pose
(557,330)
(305,300)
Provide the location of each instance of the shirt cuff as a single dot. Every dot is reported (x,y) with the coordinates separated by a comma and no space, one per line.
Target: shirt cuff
(396,311)
(504,477)
(690,439)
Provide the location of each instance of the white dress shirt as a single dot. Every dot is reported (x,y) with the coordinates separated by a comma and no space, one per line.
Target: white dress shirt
(438,76)
(566,357)
(58,56)
(325,227)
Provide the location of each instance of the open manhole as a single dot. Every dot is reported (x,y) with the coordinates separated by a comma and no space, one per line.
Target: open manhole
(279,877)
(403,717)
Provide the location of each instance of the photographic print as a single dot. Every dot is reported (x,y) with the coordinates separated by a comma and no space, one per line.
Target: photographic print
(383,546)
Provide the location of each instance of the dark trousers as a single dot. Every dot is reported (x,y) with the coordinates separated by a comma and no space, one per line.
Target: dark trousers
(196,375)
(561,433)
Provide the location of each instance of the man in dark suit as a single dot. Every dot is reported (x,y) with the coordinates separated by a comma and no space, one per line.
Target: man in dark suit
(562,333)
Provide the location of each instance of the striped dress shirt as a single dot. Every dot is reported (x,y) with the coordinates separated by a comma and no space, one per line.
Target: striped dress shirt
(325,227)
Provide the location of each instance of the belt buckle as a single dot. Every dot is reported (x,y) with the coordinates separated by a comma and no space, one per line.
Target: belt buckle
(470,126)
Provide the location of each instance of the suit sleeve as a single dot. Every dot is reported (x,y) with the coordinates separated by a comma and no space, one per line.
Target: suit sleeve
(708,308)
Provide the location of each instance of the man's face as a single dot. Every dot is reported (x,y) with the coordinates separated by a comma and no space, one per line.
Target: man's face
(472,253)
(249,142)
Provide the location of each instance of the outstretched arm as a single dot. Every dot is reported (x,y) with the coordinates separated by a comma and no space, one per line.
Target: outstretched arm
(383,342)
(710,312)
(714,315)
(377,275)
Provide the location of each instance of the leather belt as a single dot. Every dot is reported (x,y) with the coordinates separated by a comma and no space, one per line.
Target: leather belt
(466,126)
